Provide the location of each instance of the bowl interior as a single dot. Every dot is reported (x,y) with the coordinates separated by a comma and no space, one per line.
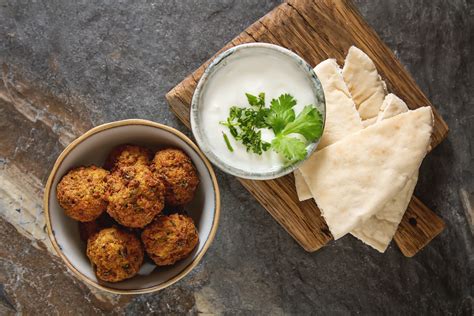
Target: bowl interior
(219,65)
(94,150)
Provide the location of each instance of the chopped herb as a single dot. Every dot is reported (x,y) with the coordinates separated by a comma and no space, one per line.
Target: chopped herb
(245,124)
(256,101)
(227,142)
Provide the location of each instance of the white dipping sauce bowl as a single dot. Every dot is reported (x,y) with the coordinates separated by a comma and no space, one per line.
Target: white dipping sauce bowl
(230,162)
(93,148)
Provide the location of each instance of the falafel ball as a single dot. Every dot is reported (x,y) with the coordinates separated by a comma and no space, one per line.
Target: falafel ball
(127,155)
(81,193)
(135,195)
(115,254)
(170,238)
(178,173)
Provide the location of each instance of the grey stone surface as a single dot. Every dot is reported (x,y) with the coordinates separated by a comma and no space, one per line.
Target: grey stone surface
(110,60)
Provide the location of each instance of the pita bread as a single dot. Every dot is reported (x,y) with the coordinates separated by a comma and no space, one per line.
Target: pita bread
(378,231)
(391,106)
(302,189)
(352,179)
(365,85)
(369,121)
(342,118)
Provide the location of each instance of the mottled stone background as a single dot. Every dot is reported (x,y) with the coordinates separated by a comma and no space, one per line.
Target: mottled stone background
(71,65)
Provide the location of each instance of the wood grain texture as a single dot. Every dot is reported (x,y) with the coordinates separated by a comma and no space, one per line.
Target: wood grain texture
(317,30)
(419,226)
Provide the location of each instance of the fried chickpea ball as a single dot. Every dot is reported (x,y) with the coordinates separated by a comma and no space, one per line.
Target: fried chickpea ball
(179,175)
(127,155)
(115,254)
(135,195)
(81,193)
(170,238)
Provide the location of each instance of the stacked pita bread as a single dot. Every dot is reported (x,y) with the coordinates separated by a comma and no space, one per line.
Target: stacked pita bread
(364,172)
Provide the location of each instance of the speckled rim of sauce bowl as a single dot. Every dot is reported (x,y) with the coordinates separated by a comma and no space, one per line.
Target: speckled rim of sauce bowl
(96,130)
(195,114)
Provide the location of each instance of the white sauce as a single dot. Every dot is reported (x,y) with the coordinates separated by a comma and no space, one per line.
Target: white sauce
(250,71)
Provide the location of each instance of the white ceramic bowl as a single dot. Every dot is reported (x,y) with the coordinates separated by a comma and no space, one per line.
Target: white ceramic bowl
(219,64)
(92,148)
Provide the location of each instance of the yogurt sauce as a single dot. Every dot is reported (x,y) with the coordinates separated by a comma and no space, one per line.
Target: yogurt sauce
(250,71)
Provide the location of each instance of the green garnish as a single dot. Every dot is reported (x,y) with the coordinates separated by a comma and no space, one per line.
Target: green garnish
(308,123)
(292,148)
(226,139)
(256,101)
(281,112)
(245,124)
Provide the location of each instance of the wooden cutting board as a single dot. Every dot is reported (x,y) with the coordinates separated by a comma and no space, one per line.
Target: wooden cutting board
(317,30)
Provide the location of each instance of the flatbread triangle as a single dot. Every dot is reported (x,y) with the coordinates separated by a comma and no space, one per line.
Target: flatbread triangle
(367,88)
(379,229)
(342,118)
(352,179)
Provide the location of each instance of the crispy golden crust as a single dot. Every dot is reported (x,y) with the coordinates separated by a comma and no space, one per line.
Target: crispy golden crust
(170,238)
(127,155)
(135,195)
(116,255)
(179,174)
(81,193)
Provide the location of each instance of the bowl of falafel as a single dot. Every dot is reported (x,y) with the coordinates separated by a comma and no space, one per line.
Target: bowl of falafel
(131,206)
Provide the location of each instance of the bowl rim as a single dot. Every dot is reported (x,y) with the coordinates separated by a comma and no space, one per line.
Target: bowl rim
(101,128)
(194,111)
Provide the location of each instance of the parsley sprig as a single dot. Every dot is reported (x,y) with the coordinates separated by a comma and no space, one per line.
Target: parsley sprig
(245,124)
